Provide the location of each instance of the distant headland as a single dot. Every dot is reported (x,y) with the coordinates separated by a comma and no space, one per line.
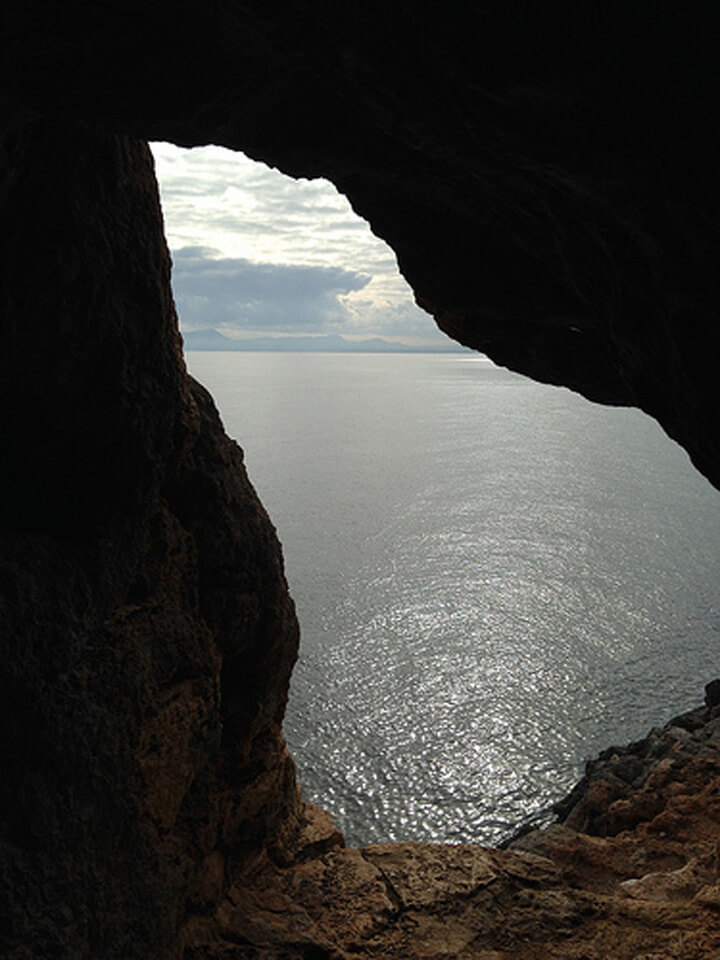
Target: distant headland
(328,343)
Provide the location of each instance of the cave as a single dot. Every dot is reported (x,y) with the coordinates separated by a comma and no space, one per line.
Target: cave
(546,178)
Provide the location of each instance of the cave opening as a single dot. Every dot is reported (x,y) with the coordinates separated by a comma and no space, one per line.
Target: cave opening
(486,597)
(546,177)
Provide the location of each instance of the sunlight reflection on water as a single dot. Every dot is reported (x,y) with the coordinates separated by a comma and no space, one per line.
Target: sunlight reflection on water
(495,579)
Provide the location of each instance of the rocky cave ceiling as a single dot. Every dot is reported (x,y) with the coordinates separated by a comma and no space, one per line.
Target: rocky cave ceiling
(545,173)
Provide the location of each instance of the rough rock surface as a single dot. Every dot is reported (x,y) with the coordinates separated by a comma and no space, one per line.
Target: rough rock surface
(147,633)
(546,174)
(647,887)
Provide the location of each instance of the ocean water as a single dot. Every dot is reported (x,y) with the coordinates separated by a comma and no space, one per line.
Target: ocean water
(495,579)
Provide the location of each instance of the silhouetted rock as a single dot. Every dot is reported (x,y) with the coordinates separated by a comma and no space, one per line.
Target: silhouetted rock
(712,693)
(547,175)
(147,633)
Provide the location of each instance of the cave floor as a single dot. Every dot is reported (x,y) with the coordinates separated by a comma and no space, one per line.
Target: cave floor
(648,888)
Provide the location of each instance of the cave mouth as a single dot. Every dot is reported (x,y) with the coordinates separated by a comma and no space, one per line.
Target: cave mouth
(486,599)
(262,259)
(546,179)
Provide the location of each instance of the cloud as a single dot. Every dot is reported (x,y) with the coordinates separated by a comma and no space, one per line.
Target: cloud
(220,199)
(238,294)
(395,318)
(256,250)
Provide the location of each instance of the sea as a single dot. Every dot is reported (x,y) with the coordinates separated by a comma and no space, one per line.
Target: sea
(495,580)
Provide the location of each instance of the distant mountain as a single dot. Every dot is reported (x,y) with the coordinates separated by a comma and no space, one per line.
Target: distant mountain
(330,343)
(207,340)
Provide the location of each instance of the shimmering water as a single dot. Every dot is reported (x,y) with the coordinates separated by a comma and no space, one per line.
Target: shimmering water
(495,579)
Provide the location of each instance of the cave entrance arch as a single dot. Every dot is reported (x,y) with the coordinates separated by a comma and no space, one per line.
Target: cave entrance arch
(545,174)
(484,688)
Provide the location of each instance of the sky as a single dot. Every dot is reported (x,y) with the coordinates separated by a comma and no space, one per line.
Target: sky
(258,253)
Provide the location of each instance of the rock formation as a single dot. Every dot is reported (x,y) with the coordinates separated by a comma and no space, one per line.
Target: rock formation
(546,175)
(148,634)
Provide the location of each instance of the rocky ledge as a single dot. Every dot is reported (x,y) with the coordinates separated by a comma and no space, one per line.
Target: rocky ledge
(630,870)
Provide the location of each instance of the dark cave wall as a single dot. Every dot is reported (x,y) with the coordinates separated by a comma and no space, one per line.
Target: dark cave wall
(146,631)
(82,462)
(545,174)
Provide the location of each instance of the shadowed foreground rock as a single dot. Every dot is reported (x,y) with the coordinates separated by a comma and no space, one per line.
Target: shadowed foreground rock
(147,632)
(547,175)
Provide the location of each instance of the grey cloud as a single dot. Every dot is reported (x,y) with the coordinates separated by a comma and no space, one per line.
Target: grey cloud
(189,186)
(404,319)
(292,206)
(230,223)
(280,222)
(240,294)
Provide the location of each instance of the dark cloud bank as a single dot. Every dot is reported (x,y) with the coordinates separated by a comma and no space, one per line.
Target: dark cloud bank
(242,295)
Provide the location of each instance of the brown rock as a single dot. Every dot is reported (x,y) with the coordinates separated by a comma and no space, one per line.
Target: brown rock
(423,876)
(680,884)
(147,632)
(546,174)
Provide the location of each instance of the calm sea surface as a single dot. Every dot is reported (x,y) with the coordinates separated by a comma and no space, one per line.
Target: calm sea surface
(495,579)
